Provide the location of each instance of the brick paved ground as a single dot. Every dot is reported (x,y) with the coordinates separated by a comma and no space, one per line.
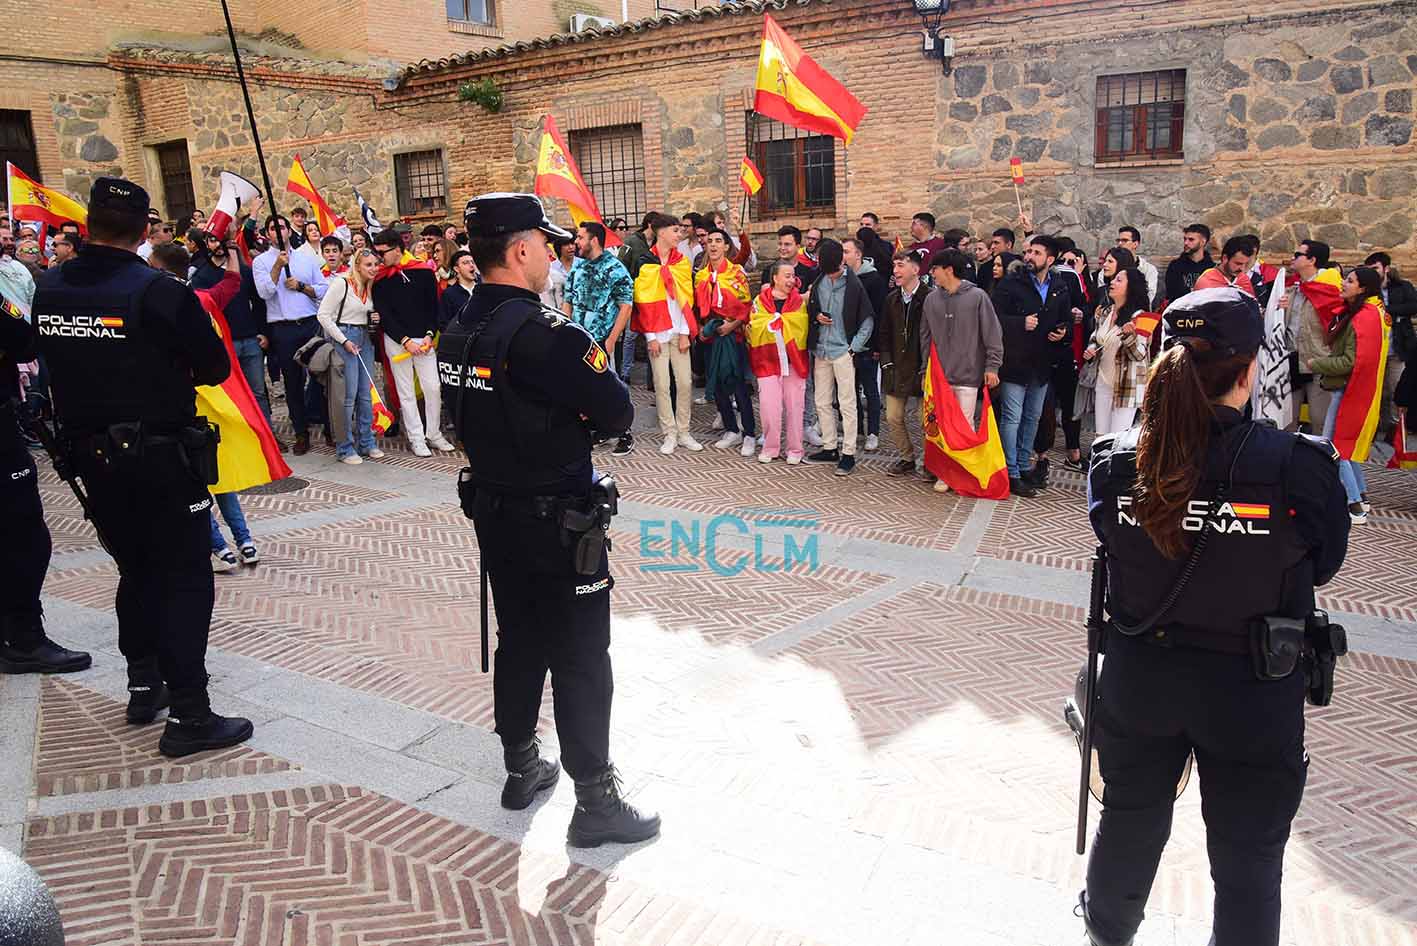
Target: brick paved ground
(863,748)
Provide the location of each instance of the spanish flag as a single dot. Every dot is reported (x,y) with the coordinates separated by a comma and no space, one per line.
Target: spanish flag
(969,461)
(1323,293)
(777,341)
(558,176)
(32,201)
(247,455)
(792,88)
(1145,323)
(1402,458)
(656,284)
(750,177)
(1357,419)
(1016,169)
(299,184)
(722,290)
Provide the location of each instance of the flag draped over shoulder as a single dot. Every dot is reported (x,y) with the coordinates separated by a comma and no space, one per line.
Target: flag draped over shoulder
(247,455)
(558,176)
(299,184)
(792,88)
(654,286)
(969,461)
(722,291)
(777,341)
(32,201)
(1323,294)
(1357,419)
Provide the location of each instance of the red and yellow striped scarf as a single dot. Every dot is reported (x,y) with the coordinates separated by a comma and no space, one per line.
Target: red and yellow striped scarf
(722,290)
(777,341)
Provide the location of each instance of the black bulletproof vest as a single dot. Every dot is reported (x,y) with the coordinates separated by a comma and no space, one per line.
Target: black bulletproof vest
(1254,563)
(515,442)
(91,337)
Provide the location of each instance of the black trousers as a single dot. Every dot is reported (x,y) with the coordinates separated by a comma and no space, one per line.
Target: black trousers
(156,519)
(304,395)
(24,555)
(549,618)
(724,398)
(1158,706)
(1060,401)
(868,405)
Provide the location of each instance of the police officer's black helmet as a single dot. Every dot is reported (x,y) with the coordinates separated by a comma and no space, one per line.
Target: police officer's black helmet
(1226,317)
(491,215)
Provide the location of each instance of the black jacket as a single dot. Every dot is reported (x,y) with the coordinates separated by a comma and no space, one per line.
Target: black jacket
(407,303)
(897,338)
(246,313)
(1182,273)
(855,309)
(451,303)
(1028,355)
(1402,306)
(876,284)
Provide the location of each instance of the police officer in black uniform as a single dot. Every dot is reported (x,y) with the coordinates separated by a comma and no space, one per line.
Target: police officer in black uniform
(1216,531)
(528,388)
(24,555)
(125,347)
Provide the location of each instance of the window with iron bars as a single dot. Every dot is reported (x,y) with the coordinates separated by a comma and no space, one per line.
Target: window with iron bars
(1141,116)
(612,163)
(421,182)
(799,169)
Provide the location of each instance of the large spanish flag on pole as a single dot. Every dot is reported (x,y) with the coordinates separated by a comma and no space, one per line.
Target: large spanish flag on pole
(971,462)
(558,176)
(33,202)
(1357,419)
(247,455)
(792,88)
(299,184)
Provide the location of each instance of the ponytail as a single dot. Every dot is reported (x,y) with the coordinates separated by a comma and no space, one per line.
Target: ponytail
(1175,428)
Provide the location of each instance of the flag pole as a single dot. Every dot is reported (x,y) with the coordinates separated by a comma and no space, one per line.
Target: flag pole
(1018,198)
(251,117)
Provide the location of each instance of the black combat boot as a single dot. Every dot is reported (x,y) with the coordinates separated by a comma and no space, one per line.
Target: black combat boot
(193,727)
(25,648)
(602,815)
(147,694)
(527,774)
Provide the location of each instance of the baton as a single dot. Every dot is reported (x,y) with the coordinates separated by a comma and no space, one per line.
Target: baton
(1094,644)
(483,572)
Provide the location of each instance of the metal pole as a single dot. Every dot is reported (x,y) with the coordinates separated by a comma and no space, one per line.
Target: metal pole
(251,117)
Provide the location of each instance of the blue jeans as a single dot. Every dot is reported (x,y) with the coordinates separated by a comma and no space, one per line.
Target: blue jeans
(358,408)
(1350,474)
(626,354)
(253,364)
(230,508)
(1020,407)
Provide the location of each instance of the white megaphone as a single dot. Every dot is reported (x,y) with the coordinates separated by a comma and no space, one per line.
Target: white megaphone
(235,191)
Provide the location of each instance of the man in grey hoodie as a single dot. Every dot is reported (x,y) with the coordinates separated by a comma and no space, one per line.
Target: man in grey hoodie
(959,320)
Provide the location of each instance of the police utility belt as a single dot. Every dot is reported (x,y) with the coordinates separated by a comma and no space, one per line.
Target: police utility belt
(122,444)
(584,521)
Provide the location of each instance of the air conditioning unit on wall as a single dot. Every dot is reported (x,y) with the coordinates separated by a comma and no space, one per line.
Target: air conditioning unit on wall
(584,21)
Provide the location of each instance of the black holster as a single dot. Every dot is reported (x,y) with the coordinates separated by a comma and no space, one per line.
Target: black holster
(1276,644)
(467,491)
(198,448)
(1325,643)
(587,531)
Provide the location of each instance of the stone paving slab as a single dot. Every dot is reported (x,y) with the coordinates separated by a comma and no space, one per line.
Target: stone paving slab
(866,748)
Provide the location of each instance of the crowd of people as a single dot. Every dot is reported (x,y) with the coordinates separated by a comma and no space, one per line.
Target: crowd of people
(825,337)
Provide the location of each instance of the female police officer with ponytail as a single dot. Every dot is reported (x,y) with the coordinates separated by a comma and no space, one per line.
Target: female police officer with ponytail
(1216,531)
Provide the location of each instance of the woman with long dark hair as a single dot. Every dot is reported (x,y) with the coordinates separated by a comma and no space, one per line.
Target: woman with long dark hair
(1215,531)
(1120,351)
(1358,340)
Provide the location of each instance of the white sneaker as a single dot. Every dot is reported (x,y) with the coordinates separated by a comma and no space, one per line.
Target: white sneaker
(689,443)
(749,444)
(793,459)
(441,443)
(813,436)
(941,486)
(717,424)
(353,459)
(421,450)
(377,454)
(700,400)
(667,447)
(872,442)
(766,458)
(728,440)
(224,561)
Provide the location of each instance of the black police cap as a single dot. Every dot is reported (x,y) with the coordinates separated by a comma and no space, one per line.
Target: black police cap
(490,215)
(114,193)
(1226,317)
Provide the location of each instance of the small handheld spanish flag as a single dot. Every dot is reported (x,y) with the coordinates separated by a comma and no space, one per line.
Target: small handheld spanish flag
(750,177)
(1016,168)
(1145,323)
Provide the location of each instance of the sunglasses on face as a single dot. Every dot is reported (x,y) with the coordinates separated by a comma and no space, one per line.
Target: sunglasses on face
(1299,253)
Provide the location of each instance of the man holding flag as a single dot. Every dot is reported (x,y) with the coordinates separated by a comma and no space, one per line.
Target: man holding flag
(125,346)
